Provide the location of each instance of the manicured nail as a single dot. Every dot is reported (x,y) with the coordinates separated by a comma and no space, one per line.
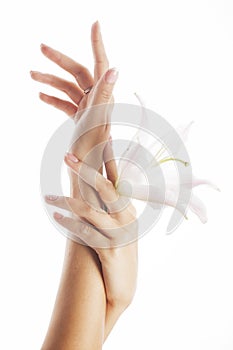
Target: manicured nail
(34,72)
(96,23)
(72,158)
(111,76)
(45,48)
(58,216)
(43,97)
(51,197)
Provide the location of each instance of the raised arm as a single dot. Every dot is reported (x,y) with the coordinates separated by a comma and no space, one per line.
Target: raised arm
(81,318)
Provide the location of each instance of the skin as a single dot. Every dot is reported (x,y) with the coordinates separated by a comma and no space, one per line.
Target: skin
(105,236)
(89,297)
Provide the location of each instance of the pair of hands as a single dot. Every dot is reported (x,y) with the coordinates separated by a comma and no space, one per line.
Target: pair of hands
(104,231)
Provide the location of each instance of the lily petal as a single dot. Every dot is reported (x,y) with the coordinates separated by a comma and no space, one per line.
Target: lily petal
(183,131)
(198,182)
(198,208)
(155,196)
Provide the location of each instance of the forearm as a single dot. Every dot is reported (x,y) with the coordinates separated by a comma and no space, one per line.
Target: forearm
(88,289)
(78,318)
(111,312)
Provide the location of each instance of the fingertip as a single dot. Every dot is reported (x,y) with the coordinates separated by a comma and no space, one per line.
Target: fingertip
(66,160)
(71,158)
(43,97)
(111,75)
(50,198)
(95,31)
(96,25)
(46,50)
(43,46)
(57,216)
(32,73)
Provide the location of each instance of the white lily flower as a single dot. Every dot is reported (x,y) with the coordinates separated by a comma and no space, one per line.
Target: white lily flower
(153,192)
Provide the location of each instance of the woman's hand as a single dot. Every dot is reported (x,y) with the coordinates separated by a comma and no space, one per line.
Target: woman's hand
(101,87)
(112,233)
(83,271)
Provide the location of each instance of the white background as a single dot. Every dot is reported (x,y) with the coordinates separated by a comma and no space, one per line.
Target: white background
(178,55)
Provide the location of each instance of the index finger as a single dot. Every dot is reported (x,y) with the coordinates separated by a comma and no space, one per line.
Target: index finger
(81,73)
(100,57)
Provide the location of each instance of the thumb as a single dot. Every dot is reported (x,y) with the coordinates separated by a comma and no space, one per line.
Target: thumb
(104,87)
(110,163)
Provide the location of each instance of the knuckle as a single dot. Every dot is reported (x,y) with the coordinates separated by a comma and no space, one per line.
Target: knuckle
(82,72)
(102,60)
(87,210)
(99,60)
(106,94)
(108,185)
(52,82)
(105,186)
(69,88)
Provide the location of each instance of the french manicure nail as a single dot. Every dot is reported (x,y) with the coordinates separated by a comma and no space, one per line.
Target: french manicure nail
(51,197)
(72,157)
(58,216)
(111,76)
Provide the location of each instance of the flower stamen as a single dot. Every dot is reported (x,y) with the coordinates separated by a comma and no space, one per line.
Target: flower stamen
(174,159)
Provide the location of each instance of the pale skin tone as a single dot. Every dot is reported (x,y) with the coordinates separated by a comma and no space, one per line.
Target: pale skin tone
(93,292)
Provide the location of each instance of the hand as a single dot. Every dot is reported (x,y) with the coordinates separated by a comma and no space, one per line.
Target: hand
(101,92)
(112,234)
(119,265)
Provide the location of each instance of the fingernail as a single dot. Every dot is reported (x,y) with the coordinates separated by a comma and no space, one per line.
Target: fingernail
(58,216)
(51,197)
(72,158)
(45,48)
(111,76)
(96,23)
(34,72)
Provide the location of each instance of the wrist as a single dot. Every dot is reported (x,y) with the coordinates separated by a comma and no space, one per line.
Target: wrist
(116,308)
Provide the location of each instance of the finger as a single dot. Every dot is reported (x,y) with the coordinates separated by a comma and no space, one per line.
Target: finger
(65,203)
(114,203)
(84,231)
(111,171)
(78,207)
(65,106)
(104,88)
(100,57)
(93,178)
(110,164)
(81,73)
(72,90)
